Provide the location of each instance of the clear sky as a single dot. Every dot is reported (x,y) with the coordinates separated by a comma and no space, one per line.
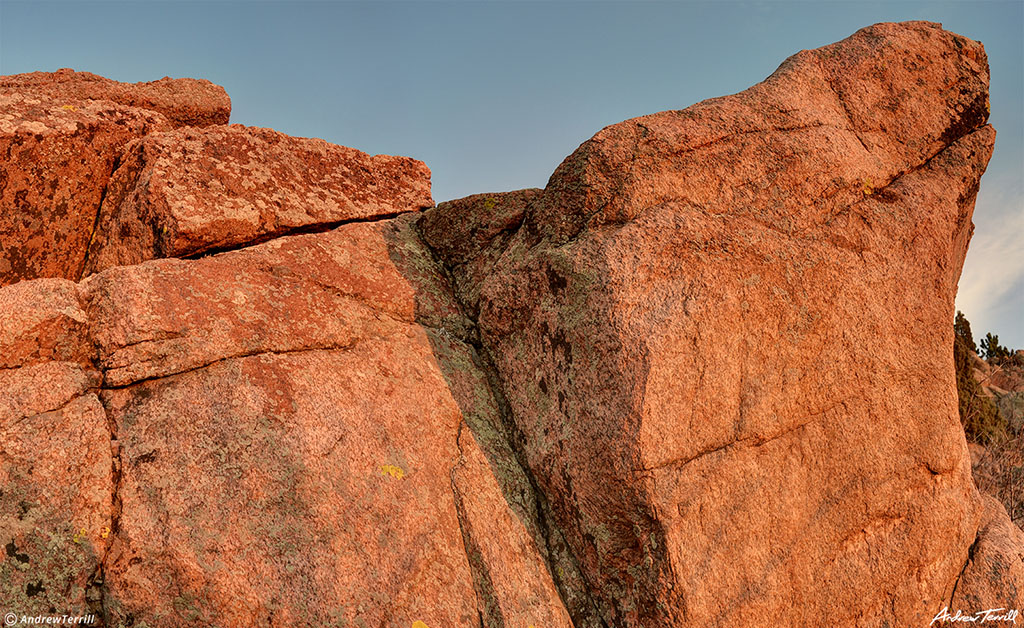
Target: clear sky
(493,95)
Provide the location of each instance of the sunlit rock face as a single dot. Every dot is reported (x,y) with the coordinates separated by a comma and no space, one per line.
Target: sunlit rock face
(61,138)
(703,378)
(724,337)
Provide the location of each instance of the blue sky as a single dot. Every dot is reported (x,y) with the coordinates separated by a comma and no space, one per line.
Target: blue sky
(493,95)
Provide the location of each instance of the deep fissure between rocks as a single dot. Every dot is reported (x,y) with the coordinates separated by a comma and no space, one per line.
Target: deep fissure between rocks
(546,526)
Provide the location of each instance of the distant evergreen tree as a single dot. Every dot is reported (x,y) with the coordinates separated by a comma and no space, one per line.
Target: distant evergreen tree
(962,327)
(980,417)
(994,352)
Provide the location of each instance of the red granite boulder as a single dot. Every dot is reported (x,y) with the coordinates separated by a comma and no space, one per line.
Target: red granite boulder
(724,337)
(191,191)
(704,378)
(61,137)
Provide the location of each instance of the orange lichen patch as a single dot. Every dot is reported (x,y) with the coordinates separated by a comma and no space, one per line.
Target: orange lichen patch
(50,207)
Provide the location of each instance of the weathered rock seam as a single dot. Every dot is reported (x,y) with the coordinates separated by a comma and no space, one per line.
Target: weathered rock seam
(591,617)
(96,217)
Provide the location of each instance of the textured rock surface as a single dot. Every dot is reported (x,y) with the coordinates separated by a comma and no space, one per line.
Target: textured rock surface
(994,574)
(717,332)
(193,190)
(55,507)
(287,446)
(183,102)
(43,321)
(55,451)
(702,379)
(294,463)
(61,136)
(471,233)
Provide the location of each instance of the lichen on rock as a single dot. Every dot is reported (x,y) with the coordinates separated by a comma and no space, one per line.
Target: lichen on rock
(702,378)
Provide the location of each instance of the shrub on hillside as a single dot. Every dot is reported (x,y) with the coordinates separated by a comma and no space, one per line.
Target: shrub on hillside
(1000,473)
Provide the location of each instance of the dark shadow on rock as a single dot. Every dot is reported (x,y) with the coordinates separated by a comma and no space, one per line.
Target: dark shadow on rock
(474,385)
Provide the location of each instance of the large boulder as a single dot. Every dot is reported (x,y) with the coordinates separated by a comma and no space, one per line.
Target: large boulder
(61,137)
(724,338)
(297,432)
(702,379)
(291,448)
(993,577)
(292,433)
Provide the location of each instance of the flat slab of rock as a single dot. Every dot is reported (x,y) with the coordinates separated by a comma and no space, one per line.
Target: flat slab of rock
(183,102)
(192,190)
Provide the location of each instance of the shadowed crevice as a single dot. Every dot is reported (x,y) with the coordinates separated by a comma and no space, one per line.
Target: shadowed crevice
(290,231)
(473,381)
(486,602)
(80,275)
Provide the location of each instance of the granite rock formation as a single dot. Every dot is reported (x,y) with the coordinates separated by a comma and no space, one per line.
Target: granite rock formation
(190,191)
(703,378)
(62,135)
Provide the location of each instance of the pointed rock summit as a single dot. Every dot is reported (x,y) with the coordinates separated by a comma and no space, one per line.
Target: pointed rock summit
(703,378)
(724,338)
